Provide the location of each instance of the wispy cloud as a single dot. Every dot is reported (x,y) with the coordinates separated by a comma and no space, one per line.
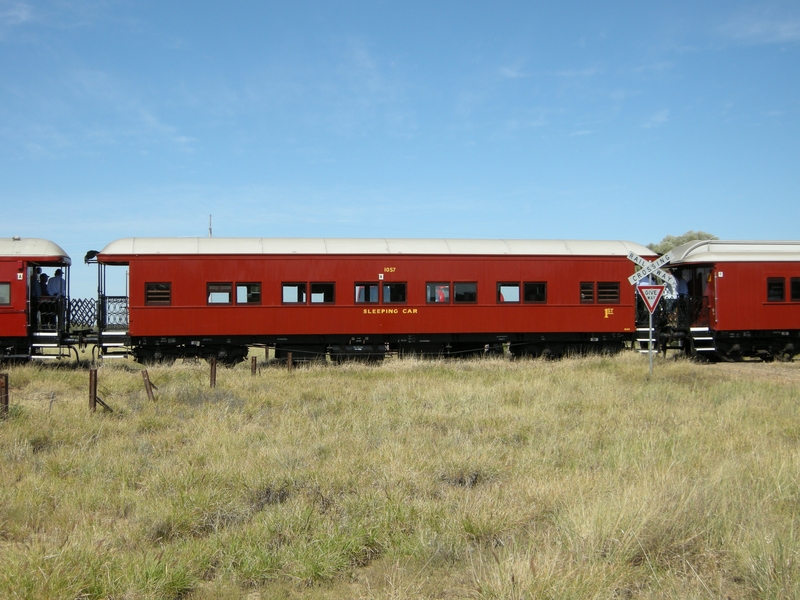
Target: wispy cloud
(512,73)
(156,126)
(14,13)
(535,123)
(363,93)
(45,141)
(469,101)
(90,110)
(111,95)
(578,73)
(654,67)
(620,95)
(363,71)
(53,14)
(762,28)
(657,119)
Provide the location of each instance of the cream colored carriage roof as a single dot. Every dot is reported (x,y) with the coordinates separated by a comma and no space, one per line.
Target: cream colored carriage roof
(33,249)
(708,251)
(352,246)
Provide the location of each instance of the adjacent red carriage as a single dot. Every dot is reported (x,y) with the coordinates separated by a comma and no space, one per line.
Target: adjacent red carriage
(30,322)
(363,297)
(741,299)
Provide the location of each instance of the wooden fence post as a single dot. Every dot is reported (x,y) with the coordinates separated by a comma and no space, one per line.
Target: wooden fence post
(3,396)
(289,360)
(92,390)
(148,387)
(213,372)
(253,366)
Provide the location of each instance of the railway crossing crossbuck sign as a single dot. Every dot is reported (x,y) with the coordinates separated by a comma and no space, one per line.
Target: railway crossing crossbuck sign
(652,268)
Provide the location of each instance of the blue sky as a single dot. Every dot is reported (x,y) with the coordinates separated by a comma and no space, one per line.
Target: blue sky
(581,120)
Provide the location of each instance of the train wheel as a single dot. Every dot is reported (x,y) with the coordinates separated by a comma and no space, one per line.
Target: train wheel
(153,357)
(549,354)
(783,352)
(229,356)
(494,350)
(144,356)
(529,351)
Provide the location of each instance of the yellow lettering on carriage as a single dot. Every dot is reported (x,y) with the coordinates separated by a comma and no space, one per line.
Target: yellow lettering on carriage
(388,311)
(609,312)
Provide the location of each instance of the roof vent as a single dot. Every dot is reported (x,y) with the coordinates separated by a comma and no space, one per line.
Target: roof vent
(16,238)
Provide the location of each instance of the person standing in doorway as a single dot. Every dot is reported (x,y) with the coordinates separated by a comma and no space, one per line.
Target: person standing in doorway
(56,286)
(56,289)
(36,294)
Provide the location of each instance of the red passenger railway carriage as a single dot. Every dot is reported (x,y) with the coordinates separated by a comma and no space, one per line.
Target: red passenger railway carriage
(364,297)
(740,299)
(31,321)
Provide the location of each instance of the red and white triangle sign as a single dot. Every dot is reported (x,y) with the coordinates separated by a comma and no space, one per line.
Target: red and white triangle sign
(651,294)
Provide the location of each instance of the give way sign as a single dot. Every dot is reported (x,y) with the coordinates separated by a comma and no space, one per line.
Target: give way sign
(651,294)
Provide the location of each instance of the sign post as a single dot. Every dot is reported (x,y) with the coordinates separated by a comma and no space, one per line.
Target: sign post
(651,294)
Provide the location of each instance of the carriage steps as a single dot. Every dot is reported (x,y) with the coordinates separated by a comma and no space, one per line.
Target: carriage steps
(702,341)
(113,344)
(47,340)
(643,340)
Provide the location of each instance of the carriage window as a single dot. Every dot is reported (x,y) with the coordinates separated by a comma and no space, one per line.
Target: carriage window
(465,292)
(508,292)
(219,293)
(322,293)
(366,292)
(5,293)
(394,292)
(438,293)
(608,292)
(776,289)
(158,294)
(248,293)
(294,293)
(535,292)
(587,292)
(795,289)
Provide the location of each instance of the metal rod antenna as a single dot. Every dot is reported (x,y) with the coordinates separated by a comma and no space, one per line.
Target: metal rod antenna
(209,225)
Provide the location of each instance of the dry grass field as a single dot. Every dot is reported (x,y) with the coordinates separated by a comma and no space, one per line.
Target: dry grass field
(580,478)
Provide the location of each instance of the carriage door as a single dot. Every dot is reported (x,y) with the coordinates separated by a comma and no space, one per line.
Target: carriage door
(13,299)
(701,295)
